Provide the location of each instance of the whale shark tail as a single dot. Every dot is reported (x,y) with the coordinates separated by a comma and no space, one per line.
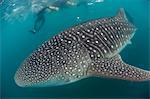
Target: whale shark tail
(115,68)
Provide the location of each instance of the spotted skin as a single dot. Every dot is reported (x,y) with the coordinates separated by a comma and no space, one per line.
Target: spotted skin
(64,62)
(88,49)
(115,68)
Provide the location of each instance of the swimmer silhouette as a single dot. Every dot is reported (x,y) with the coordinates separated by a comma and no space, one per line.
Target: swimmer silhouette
(40,20)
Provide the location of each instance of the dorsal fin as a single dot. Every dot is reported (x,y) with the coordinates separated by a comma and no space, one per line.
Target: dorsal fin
(121,15)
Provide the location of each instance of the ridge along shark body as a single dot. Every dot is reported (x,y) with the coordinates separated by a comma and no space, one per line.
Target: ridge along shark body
(88,49)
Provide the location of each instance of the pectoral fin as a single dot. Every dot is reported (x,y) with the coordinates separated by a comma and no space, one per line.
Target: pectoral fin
(115,68)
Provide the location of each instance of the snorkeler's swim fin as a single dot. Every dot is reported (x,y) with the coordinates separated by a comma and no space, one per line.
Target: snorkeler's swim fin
(33,31)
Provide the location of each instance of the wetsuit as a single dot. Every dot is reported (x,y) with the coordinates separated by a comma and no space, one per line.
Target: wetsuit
(40,20)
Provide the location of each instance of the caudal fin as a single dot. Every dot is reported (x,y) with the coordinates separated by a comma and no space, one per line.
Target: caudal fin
(116,68)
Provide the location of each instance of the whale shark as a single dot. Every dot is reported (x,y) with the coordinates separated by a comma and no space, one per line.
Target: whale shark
(89,49)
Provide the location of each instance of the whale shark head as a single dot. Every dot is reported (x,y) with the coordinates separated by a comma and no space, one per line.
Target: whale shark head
(51,66)
(67,56)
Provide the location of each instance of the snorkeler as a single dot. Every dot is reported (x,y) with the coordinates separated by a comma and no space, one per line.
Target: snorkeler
(40,20)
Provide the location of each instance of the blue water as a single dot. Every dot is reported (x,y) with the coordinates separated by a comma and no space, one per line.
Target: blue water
(16,43)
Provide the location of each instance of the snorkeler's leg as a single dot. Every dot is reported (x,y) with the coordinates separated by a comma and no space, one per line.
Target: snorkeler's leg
(40,20)
(40,24)
(35,26)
